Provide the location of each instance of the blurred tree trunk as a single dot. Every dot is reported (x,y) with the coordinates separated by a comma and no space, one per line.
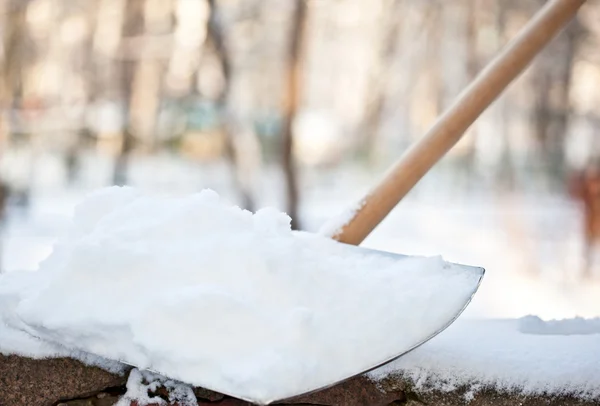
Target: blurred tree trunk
(552,107)
(370,127)
(87,65)
(12,59)
(132,26)
(506,172)
(434,57)
(291,104)
(18,52)
(230,125)
(410,60)
(472,70)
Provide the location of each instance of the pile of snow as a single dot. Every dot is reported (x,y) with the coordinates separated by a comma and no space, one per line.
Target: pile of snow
(219,297)
(526,355)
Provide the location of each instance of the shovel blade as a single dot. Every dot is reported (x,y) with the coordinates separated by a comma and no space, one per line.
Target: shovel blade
(440,302)
(436,300)
(370,326)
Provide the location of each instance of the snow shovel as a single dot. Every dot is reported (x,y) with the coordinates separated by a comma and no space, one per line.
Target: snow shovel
(400,179)
(443,135)
(442,302)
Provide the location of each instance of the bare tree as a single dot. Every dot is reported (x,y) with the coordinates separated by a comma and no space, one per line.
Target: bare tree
(467,164)
(379,78)
(18,53)
(506,171)
(86,64)
(434,56)
(132,26)
(230,125)
(292,101)
(552,107)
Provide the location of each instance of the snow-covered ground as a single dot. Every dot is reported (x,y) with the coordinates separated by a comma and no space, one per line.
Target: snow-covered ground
(526,355)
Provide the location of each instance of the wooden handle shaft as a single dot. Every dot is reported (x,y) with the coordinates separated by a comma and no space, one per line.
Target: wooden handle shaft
(450,127)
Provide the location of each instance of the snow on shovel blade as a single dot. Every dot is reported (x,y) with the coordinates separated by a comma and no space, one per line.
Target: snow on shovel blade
(363,330)
(414,317)
(438,304)
(228,300)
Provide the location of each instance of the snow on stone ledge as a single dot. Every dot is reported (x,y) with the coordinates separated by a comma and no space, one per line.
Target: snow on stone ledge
(528,356)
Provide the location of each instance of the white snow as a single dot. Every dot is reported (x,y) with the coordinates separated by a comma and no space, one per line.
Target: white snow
(215,296)
(141,383)
(566,327)
(335,224)
(526,355)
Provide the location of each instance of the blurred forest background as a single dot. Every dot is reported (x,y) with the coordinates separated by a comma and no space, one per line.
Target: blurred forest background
(268,101)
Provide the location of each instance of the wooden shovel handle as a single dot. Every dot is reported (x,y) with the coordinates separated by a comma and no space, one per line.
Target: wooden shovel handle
(450,127)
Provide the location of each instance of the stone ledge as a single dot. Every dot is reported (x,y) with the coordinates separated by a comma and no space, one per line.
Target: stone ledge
(67,382)
(44,382)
